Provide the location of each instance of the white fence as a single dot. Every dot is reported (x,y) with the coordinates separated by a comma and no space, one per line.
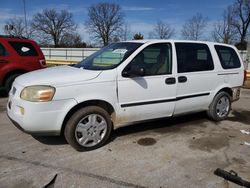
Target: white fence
(73,54)
(245,55)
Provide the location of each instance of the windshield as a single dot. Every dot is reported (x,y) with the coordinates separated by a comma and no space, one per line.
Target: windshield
(109,57)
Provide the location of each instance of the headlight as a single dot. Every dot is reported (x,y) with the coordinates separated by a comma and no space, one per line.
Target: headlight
(38,93)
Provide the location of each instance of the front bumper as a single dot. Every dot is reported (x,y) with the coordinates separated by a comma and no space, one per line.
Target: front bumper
(38,118)
(35,133)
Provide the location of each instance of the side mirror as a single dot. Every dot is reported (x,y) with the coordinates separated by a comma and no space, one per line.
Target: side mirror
(134,71)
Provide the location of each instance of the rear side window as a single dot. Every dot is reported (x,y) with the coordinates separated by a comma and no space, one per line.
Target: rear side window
(192,57)
(3,51)
(228,57)
(24,48)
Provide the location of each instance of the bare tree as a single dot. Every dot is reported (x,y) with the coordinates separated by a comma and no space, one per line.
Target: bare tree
(53,25)
(193,28)
(125,32)
(241,15)
(224,31)
(104,21)
(162,31)
(18,28)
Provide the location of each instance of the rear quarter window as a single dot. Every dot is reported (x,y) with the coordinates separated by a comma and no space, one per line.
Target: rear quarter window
(193,57)
(24,48)
(228,57)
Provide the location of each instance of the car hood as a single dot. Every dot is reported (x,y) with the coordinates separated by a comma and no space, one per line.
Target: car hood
(56,76)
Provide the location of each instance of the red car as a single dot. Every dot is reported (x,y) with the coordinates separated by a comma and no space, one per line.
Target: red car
(18,56)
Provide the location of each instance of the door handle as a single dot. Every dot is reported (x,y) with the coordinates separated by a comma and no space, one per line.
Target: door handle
(170,81)
(182,79)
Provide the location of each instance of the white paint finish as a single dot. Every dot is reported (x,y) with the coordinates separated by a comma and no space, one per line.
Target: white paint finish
(74,85)
(144,89)
(40,116)
(57,76)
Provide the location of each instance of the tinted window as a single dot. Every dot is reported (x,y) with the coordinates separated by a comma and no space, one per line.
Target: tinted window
(155,59)
(24,48)
(228,57)
(192,57)
(3,52)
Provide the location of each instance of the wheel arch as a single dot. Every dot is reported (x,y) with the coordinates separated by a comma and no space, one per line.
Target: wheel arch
(101,103)
(227,90)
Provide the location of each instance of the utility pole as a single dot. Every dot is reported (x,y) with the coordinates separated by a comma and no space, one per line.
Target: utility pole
(25,19)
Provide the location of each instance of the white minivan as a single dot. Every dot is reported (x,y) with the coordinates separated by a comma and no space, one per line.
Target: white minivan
(126,82)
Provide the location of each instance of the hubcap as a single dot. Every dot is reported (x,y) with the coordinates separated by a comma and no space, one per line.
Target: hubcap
(222,106)
(90,130)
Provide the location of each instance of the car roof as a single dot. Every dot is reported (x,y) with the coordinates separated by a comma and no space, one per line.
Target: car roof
(14,38)
(173,41)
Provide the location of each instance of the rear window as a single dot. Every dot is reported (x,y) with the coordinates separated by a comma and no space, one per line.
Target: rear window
(228,57)
(24,48)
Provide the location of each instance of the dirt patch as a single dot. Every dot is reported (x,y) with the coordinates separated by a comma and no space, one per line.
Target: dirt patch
(209,143)
(239,161)
(146,141)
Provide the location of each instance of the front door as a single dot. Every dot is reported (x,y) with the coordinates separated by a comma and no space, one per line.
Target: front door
(153,94)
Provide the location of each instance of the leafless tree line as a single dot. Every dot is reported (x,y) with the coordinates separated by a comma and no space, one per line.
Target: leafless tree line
(105,24)
(234,25)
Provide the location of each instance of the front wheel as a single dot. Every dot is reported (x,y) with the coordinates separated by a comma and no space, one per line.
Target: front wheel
(88,128)
(220,106)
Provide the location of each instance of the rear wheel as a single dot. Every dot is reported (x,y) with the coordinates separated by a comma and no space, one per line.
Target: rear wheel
(89,128)
(220,107)
(9,81)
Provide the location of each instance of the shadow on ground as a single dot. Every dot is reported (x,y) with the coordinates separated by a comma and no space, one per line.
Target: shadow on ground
(242,116)
(162,126)
(51,140)
(165,125)
(182,124)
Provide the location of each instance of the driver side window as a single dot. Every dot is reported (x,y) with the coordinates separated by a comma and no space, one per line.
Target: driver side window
(155,59)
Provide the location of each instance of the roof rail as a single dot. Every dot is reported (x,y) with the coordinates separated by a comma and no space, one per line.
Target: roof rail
(12,36)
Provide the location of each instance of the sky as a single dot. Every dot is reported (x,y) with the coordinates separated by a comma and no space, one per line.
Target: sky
(140,15)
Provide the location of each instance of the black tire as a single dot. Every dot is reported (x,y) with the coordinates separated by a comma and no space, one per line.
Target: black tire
(213,112)
(9,81)
(81,116)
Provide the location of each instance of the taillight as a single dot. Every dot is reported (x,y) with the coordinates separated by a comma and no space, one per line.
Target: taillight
(245,75)
(42,62)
